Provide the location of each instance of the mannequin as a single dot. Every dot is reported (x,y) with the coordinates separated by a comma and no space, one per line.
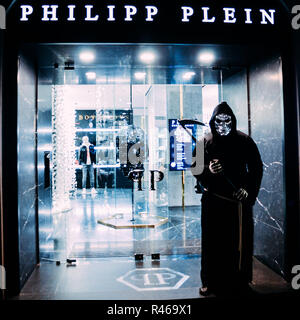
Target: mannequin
(87,157)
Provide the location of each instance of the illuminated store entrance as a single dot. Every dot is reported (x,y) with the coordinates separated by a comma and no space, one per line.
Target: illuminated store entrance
(95,161)
(132,190)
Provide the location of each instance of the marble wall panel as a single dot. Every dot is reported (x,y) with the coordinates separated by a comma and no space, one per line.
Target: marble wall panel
(44,130)
(26,168)
(267,126)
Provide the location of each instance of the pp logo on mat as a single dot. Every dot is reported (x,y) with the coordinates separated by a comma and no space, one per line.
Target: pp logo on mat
(151,279)
(2,278)
(2,18)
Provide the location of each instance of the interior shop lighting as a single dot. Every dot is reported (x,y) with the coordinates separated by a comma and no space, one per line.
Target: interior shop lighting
(98,129)
(140,75)
(188,75)
(206,57)
(87,56)
(99,148)
(119,80)
(44,212)
(45,147)
(90,75)
(49,246)
(101,80)
(44,130)
(274,76)
(110,166)
(147,57)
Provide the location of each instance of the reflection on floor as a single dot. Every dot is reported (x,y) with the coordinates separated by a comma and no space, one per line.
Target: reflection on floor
(105,267)
(76,234)
(173,277)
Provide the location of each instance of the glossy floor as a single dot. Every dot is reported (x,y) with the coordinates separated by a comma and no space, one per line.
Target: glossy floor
(172,277)
(77,233)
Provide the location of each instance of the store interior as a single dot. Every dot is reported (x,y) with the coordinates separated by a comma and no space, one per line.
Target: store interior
(113,104)
(119,95)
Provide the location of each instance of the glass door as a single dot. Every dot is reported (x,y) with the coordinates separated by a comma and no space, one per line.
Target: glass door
(111,125)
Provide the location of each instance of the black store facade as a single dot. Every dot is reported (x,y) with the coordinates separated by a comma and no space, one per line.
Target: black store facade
(109,70)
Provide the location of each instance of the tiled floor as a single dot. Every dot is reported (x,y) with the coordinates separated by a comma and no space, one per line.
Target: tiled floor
(76,233)
(105,267)
(173,277)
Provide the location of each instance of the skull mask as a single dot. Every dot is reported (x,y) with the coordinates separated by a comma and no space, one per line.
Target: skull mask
(223,124)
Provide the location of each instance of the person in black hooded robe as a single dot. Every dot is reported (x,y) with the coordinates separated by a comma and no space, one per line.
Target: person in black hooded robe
(231,180)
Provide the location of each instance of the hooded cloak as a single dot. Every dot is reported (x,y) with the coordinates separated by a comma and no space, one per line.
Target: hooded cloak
(239,157)
(242,168)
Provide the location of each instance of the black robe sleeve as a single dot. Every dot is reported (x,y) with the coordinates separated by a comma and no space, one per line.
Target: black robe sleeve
(254,171)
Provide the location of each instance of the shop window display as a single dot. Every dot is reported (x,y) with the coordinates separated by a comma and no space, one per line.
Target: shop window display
(102,127)
(124,104)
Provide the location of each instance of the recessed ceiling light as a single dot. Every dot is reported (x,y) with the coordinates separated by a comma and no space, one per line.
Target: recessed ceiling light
(206,57)
(147,56)
(140,75)
(188,75)
(87,56)
(91,75)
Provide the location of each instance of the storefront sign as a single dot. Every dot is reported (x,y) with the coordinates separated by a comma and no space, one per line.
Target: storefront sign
(149,13)
(145,21)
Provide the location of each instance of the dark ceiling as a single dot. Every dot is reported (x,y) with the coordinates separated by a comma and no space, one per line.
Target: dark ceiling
(120,60)
(168,55)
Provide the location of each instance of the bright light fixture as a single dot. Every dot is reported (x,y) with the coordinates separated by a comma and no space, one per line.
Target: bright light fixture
(90,75)
(140,75)
(206,57)
(188,75)
(147,56)
(87,56)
